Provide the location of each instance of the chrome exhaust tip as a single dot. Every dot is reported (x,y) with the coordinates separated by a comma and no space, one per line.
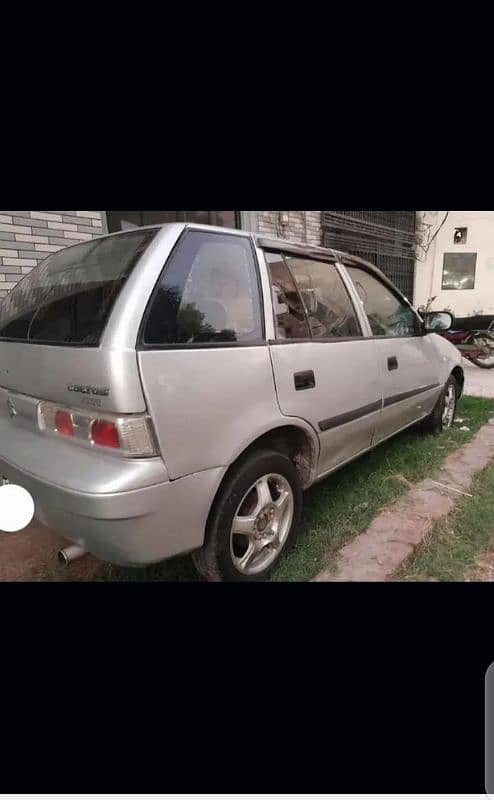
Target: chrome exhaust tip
(71,554)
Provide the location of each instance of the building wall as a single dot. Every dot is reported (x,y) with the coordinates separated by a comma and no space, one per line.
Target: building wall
(303,226)
(28,237)
(428,273)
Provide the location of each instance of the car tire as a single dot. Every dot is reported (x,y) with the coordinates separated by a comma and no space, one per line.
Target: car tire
(439,420)
(261,498)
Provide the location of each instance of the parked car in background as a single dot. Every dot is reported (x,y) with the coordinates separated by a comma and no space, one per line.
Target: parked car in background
(175,389)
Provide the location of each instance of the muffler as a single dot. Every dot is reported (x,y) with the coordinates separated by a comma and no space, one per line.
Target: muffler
(71,554)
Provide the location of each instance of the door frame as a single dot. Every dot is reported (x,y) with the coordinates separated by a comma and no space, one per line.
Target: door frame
(356,301)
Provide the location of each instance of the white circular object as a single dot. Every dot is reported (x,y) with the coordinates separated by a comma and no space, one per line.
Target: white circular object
(16,508)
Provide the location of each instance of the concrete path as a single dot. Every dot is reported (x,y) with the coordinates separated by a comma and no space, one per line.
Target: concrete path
(400,529)
(478,382)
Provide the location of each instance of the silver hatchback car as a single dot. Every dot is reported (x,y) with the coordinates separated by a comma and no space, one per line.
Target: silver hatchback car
(175,389)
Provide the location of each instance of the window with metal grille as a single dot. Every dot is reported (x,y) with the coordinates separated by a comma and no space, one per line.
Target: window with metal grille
(385,238)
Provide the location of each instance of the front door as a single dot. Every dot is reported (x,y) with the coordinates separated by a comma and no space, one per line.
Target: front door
(407,359)
(325,371)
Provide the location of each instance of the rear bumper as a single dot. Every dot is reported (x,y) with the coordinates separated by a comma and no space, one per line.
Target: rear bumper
(123,510)
(137,527)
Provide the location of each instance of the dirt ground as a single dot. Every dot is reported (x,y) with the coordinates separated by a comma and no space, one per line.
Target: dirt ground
(483,570)
(30,554)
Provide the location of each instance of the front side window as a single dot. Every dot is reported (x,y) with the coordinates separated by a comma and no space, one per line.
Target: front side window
(329,308)
(208,294)
(387,314)
(68,298)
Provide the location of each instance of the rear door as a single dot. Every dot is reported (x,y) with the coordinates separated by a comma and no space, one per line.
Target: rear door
(326,372)
(203,357)
(407,359)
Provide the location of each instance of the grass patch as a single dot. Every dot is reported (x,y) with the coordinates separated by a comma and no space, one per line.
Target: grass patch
(344,504)
(456,543)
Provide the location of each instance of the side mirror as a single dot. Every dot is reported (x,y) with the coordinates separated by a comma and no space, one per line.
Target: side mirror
(438,321)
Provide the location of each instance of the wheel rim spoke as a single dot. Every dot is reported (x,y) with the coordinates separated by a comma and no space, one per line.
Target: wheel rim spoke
(283,502)
(264,493)
(244,526)
(246,560)
(449,407)
(274,543)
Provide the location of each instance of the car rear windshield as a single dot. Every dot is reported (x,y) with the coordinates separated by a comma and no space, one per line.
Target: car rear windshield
(69,297)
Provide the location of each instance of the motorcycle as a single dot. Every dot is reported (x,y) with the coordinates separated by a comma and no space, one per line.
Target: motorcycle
(475,345)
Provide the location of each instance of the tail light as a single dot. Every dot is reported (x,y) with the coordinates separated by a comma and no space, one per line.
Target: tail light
(63,423)
(131,436)
(105,433)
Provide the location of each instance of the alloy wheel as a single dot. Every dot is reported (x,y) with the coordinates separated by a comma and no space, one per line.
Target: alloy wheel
(449,406)
(262,524)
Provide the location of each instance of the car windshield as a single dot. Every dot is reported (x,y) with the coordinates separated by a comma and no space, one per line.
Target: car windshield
(69,297)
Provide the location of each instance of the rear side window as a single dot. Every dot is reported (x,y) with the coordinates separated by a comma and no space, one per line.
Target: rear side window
(69,297)
(207,294)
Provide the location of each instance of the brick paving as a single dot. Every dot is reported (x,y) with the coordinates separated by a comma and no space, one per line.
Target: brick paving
(397,531)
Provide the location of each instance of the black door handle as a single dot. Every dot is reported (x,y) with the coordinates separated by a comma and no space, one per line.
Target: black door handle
(304,380)
(392,363)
